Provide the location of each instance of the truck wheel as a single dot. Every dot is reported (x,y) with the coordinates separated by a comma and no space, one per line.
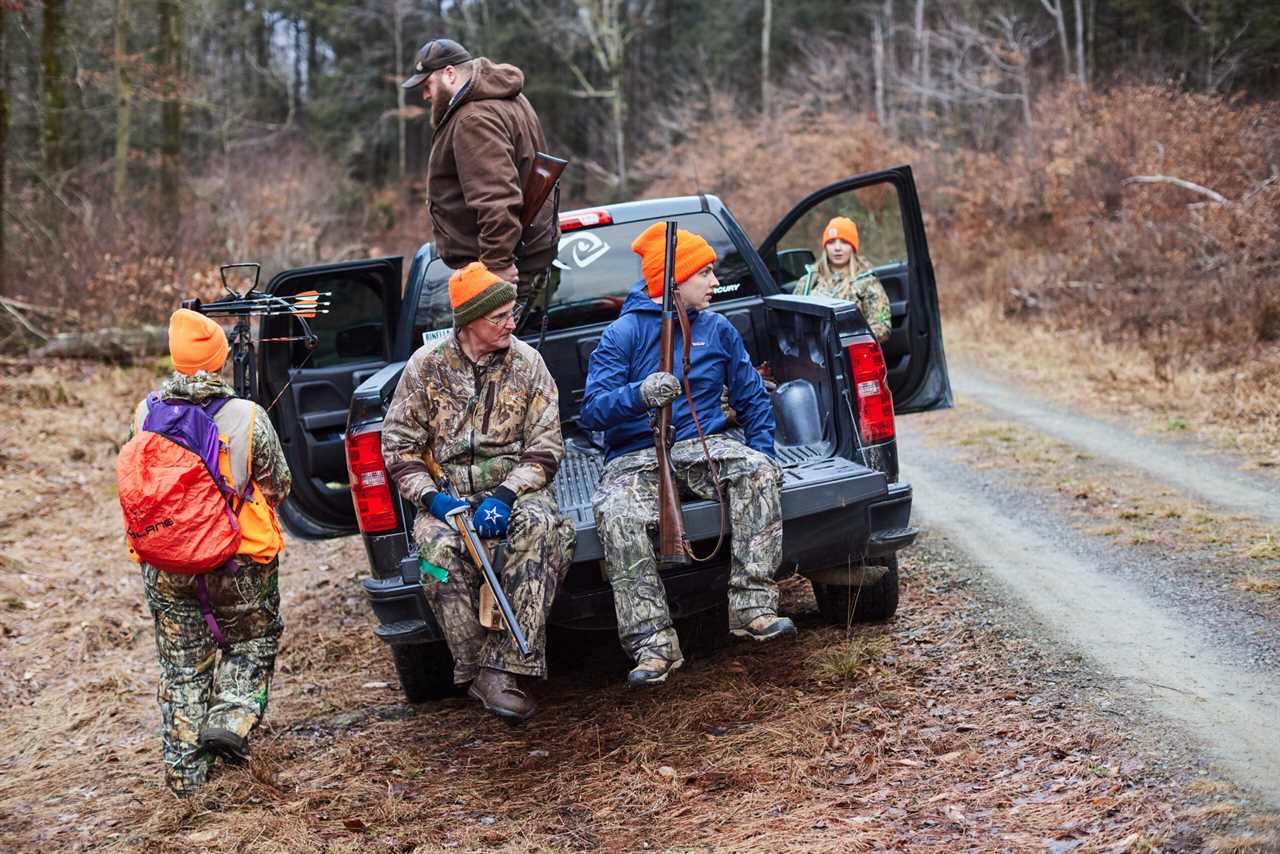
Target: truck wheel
(844,605)
(425,670)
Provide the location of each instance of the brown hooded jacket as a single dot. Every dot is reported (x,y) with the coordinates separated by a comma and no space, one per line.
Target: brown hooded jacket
(481,154)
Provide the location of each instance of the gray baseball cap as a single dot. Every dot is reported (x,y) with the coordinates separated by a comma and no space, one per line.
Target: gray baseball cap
(433,56)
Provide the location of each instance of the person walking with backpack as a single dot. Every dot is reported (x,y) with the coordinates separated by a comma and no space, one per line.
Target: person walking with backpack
(194,426)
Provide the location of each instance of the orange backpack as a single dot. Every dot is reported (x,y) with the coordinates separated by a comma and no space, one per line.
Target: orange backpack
(180,513)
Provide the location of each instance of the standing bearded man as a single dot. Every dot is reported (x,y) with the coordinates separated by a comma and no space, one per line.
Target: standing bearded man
(484,404)
(485,137)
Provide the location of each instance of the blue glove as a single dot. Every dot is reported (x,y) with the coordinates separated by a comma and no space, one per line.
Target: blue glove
(441,504)
(494,513)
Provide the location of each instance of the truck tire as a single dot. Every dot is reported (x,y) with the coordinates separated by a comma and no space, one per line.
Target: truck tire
(844,605)
(425,671)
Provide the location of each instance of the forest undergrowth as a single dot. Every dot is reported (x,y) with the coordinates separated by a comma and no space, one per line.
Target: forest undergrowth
(1124,247)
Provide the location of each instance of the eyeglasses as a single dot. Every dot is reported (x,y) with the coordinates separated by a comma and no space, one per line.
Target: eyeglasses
(502,319)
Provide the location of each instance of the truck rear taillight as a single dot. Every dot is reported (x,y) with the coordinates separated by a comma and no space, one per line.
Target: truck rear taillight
(370,486)
(871,390)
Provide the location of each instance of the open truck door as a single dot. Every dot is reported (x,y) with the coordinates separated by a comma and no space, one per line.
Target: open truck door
(886,210)
(311,389)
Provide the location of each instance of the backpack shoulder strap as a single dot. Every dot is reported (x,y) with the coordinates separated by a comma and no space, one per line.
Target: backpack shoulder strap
(235,418)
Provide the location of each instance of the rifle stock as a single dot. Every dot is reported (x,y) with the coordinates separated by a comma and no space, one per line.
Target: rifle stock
(673,548)
(541,181)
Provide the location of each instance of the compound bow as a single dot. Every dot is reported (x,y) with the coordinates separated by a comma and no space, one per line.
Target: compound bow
(253,303)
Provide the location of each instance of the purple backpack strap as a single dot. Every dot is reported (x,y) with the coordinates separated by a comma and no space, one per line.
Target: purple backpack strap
(206,611)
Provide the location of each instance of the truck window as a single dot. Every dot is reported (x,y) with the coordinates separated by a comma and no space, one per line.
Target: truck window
(352,331)
(597,270)
(873,209)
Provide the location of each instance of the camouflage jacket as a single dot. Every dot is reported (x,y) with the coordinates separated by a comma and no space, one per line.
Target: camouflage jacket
(268,467)
(864,289)
(491,424)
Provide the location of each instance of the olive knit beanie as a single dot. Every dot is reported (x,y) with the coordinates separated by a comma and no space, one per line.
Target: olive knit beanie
(474,292)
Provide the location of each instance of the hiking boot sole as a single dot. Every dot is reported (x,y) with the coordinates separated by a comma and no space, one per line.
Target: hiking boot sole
(226,744)
(497,711)
(645,682)
(781,629)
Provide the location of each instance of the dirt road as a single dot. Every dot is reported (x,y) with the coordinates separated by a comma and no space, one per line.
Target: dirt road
(1182,644)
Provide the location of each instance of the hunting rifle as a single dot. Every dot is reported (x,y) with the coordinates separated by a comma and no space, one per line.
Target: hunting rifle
(673,545)
(253,303)
(544,177)
(460,519)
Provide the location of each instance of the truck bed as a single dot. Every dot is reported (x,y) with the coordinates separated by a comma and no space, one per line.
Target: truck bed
(812,482)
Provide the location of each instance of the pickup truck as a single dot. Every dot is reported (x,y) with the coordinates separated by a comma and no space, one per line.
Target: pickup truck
(845,512)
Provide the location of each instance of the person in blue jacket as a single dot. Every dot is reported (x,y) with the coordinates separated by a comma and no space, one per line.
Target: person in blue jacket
(623,386)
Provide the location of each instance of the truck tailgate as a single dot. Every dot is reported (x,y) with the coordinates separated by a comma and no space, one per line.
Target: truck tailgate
(812,484)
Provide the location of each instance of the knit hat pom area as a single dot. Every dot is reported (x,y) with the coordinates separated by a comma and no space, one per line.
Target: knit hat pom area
(841,228)
(693,253)
(474,292)
(196,343)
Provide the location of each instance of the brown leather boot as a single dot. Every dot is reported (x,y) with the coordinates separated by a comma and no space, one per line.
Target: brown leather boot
(498,692)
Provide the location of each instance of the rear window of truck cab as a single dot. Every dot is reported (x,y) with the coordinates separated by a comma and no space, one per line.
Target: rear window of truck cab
(597,270)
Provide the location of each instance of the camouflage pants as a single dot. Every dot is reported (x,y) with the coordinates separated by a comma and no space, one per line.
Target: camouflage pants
(196,690)
(626,507)
(539,546)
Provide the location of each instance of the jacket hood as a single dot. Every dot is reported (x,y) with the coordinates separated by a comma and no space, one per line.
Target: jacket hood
(197,387)
(488,80)
(491,80)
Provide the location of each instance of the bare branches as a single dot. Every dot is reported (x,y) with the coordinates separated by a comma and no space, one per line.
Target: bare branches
(1178,182)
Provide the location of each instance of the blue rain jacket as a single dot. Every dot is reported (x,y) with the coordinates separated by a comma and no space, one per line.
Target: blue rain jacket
(628,352)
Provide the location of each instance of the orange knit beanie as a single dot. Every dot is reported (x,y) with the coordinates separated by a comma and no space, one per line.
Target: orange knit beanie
(692,254)
(841,228)
(474,292)
(196,343)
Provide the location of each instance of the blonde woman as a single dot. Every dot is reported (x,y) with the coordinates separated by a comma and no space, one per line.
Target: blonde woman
(844,274)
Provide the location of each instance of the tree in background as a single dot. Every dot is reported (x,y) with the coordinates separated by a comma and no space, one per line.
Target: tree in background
(120,98)
(124,99)
(172,46)
(53,86)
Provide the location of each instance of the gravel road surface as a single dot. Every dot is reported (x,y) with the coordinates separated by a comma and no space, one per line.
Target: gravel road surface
(1182,464)
(1220,687)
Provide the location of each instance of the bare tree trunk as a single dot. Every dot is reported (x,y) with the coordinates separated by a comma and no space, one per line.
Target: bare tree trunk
(297,71)
(1081,76)
(124,99)
(620,131)
(397,13)
(171,109)
(877,66)
(4,143)
(889,68)
(53,94)
(919,56)
(261,55)
(1054,8)
(313,58)
(766,27)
